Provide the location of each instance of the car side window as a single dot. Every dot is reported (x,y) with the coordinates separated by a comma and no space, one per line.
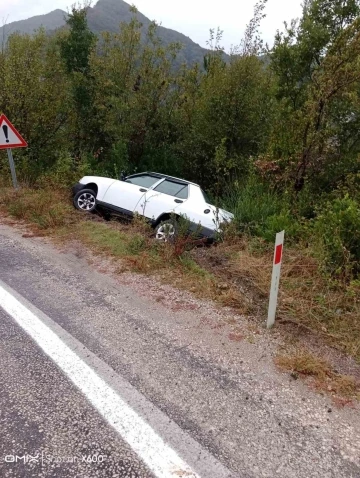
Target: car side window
(183,193)
(173,188)
(145,181)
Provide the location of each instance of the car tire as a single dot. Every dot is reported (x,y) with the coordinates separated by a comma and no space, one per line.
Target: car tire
(85,200)
(167,231)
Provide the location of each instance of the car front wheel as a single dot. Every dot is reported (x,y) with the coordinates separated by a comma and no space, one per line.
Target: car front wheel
(166,231)
(85,200)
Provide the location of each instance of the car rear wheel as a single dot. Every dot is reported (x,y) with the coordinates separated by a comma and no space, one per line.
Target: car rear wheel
(85,200)
(166,231)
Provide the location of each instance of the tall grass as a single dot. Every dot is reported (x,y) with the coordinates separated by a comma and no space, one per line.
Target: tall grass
(44,208)
(259,210)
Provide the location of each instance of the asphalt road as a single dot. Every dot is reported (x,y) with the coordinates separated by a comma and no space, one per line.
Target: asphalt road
(98,380)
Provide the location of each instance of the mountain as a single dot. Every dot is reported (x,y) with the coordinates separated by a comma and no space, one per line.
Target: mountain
(106,15)
(51,21)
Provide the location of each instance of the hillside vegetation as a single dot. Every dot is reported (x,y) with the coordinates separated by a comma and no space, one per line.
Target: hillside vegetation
(276,142)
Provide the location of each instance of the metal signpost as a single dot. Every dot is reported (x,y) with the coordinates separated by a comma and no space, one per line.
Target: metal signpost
(275,280)
(10,138)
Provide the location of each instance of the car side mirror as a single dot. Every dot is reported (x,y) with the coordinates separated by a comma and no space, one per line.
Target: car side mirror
(122,175)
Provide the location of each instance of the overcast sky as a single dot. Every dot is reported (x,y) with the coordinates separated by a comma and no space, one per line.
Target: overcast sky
(194,18)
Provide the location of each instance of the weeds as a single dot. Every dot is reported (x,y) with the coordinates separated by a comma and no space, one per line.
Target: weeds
(46,209)
(253,204)
(304,363)
(103,239)
(137,244)
(307,300)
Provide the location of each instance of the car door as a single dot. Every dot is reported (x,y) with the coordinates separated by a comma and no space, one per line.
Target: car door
(167,196)
(123,196)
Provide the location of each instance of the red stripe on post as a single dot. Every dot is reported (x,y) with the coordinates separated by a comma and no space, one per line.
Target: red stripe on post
(278,254)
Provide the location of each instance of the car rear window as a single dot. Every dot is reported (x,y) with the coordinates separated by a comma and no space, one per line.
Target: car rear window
(173,188)
(206,197)
(146,181)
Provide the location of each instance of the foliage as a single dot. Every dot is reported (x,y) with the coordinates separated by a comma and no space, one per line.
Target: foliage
(64,172)
(252,44)
(34,207)
(253,204)
(35,96)
(75,49)
(231,109)
(340,250)
(318,72)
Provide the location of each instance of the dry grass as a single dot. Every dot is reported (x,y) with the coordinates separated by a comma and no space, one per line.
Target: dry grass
(301,362)
(305,363)
(331,314)
(308,302)
(46,209)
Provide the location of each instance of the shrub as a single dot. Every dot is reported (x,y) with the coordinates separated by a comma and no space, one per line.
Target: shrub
(112,162)
(137,244)
(260,211)
(252,203)
(65,172)
(280,222)
(337,232)
(46,208)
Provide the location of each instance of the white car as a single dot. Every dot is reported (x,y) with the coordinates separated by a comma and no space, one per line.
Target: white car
(160,198)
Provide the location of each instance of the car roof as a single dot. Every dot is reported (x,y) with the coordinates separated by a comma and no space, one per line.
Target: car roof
(165,176)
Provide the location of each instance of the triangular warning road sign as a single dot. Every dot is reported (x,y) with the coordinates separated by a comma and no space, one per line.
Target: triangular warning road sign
(9,136)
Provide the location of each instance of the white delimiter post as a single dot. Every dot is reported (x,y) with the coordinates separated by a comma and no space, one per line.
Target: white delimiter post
(275,280)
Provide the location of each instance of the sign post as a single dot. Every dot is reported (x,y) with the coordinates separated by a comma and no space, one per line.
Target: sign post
(275,280)
(10,138)
(12,168)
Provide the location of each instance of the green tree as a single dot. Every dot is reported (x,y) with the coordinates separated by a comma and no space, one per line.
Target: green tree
(225,112)
(136,90)
(317,69)
(35,96)
(230,106)
(76,49)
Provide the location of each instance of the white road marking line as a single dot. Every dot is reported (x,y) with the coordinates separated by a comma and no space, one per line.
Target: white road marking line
(161,459)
